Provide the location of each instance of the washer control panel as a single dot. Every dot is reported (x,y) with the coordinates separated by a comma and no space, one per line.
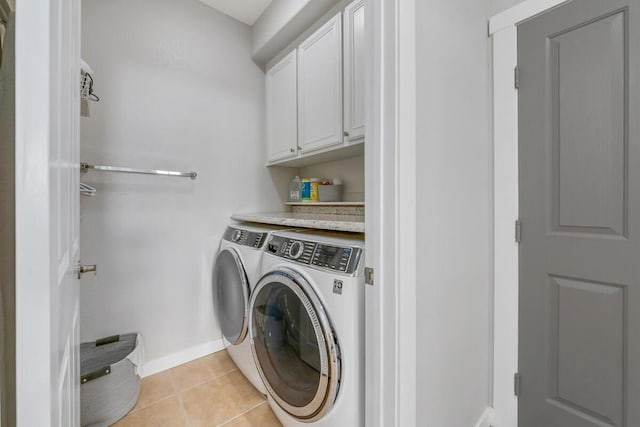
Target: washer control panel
(325,256)
(296,249)
(245,237)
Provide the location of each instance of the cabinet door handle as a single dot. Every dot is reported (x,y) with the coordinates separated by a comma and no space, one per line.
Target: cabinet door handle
(292,150)
(346,134)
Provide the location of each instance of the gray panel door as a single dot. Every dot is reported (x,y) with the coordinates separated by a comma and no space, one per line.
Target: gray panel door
(579,349)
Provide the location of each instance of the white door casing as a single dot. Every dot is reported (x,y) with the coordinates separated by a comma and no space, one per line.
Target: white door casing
(502,29)
(390,185)
(47,212)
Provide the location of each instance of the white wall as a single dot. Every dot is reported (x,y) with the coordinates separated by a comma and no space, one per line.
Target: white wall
(274,17)
(497,6)
(179,91)
(350,171)
(281,22)
(453,212)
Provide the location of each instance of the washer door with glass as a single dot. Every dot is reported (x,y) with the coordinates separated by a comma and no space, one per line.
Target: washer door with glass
(294,345)
(231,295)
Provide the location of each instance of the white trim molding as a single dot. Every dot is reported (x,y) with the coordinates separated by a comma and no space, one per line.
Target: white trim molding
(486,419)
(183,356)
(406,225)
(391,213)
(505,124)
(34,380)
(503,29)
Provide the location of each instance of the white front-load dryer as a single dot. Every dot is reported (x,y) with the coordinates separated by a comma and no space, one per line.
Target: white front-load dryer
(236,270)
(306,328)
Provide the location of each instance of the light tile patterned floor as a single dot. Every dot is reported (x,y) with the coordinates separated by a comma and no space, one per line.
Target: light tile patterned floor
(210,391)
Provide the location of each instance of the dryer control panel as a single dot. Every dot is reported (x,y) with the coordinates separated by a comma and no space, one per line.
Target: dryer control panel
(245,237)
(325,256)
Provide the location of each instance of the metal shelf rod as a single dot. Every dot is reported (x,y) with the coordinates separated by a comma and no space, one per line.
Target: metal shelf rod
(84,167)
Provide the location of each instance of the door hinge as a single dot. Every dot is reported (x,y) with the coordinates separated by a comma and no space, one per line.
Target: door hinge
(518,231)
(516,384)
(368,276)
(516,77)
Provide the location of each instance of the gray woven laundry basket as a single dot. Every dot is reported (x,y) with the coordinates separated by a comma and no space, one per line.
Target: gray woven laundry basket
(110,384)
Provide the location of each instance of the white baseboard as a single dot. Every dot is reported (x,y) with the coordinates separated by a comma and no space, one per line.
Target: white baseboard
(486,419)
(183,356)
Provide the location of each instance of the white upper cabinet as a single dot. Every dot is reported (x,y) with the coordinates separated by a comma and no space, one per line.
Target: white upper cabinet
(320,88)
(310,119)
(282,108)
(354,72)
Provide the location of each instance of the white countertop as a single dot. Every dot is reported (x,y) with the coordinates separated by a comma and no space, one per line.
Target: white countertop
(350,223)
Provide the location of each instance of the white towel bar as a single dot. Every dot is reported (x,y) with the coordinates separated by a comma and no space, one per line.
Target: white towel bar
(84,167)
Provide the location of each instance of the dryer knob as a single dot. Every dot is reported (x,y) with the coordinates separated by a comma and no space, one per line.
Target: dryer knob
(296,249)
(237,235)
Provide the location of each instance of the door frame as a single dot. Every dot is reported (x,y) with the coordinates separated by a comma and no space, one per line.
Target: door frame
(504,34)
(34,381)
(390,212)
(390,185)
(47,362)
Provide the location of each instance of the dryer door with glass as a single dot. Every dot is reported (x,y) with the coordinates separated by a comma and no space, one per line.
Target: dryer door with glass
(294,345)
(231,295)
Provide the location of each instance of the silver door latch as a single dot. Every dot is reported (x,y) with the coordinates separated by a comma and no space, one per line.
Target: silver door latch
(368,276)
(82,269)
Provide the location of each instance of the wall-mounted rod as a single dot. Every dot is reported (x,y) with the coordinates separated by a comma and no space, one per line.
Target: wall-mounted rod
(84,167)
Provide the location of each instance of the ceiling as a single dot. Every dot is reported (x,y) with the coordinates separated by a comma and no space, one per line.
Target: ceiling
(246,11)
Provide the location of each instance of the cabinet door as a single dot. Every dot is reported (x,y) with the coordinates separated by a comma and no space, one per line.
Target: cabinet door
(282,109)
(354,71)
(320,88)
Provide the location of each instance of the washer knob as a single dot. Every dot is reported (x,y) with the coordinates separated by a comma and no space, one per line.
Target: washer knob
(237,235)
(296,249)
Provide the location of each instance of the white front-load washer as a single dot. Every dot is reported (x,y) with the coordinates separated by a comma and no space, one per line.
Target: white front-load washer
(236,270)
(306,327)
